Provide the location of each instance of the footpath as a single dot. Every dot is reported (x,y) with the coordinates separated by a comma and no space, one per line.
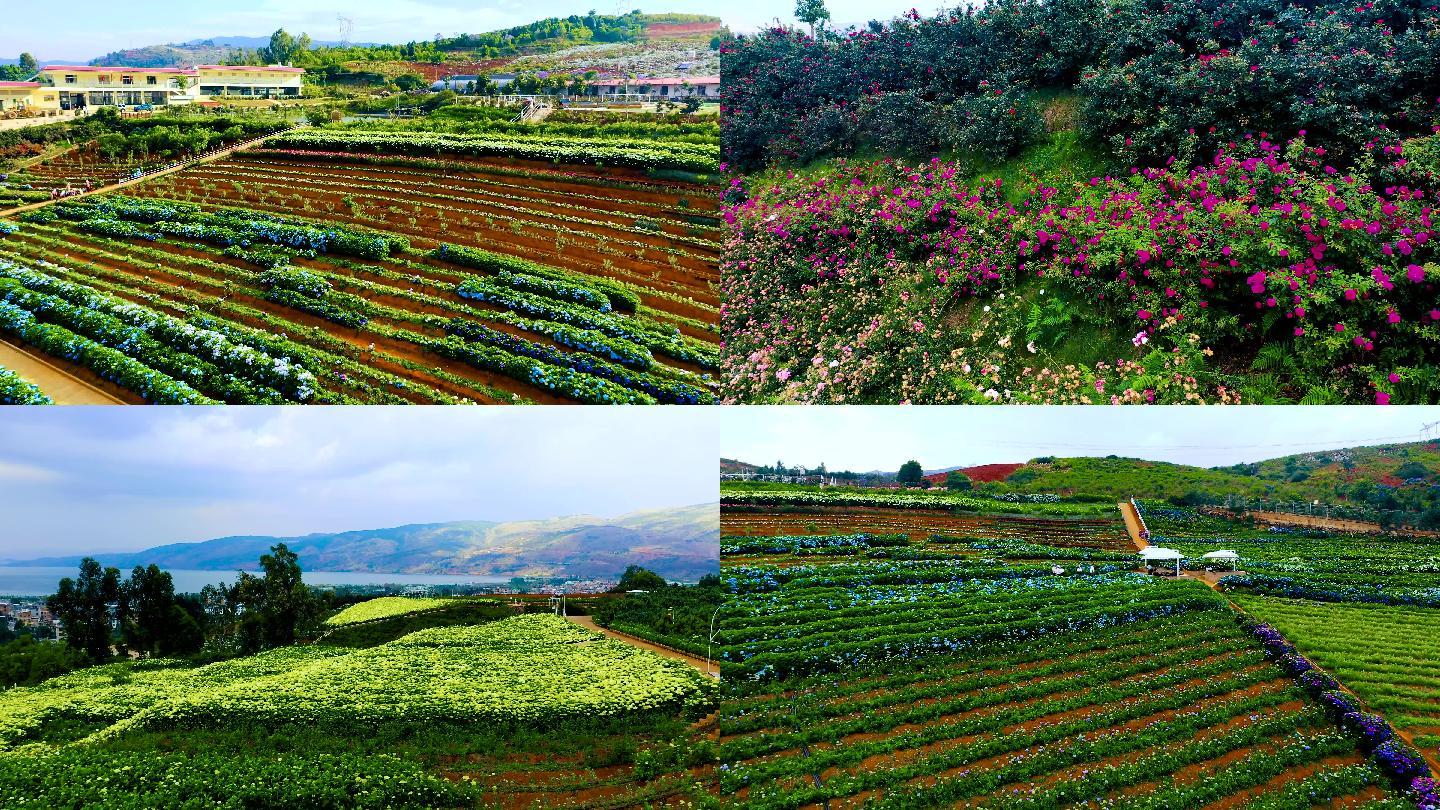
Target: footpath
(56,383)
(712,669)
(179,165)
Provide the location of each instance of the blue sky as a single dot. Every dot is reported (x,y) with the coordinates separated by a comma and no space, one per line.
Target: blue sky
(85,29)
(883,438)
(97,479)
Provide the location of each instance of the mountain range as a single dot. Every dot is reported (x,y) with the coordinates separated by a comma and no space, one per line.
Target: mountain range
(677,543)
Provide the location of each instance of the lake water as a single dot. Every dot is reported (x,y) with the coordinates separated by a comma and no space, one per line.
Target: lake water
(18,581)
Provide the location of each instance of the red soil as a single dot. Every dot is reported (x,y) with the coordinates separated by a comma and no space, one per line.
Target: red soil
(681,29)
(980,473)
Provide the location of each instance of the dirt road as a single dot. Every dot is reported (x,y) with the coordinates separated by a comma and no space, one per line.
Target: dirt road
(712,669)
(57,384)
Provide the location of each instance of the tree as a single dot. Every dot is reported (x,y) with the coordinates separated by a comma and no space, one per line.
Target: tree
(637,578)
(911,473)
(257,612)
(83,607)
(286,603)
(29,64)
(812,12)
(957,481)
(285,49)
(151,625)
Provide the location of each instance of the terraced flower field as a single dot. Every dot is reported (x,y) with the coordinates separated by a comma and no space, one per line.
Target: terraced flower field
(1386,654)
(1392,569)
(507,713)
(980,683)
(387,278)
(920,516)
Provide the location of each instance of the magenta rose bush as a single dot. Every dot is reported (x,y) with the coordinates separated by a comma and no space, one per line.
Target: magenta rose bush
(892,282)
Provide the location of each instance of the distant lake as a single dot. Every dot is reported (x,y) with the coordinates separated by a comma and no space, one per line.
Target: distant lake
(19,581)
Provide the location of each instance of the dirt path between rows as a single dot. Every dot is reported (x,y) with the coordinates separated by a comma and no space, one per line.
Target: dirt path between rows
(712,669)
(56,383)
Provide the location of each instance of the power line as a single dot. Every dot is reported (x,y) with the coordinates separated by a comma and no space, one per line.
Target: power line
(1425,433)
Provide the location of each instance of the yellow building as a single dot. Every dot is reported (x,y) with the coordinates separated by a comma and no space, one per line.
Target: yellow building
(81,86)
(270,81)
(27,95)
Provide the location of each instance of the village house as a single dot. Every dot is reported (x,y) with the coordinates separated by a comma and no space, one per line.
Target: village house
(73,87)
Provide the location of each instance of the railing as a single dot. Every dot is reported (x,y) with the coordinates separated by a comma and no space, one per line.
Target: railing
(141,175)
(1144,530)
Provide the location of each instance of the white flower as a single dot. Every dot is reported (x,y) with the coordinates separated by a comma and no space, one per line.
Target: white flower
(992,394)
(987,307)
(1031,346)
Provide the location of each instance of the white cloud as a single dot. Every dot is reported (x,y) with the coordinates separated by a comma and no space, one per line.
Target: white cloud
(12,471)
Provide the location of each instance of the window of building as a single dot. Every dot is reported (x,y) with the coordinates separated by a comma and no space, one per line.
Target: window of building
(69,79)
(149,79)
(127,79)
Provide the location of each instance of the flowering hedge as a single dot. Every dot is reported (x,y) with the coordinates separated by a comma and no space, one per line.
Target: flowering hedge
(1156,78)
(876,283)
(217,364)
(16,390)
(107,362)
(618,295)
(608,151)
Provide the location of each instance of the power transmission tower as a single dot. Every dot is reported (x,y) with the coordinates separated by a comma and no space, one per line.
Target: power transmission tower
(347,29)
(1430,431)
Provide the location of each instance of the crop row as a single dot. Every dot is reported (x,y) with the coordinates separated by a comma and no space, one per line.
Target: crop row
(1384,654)
(574,375)
(535,670)
(943,620)
(16,390)
(200,359)
(675,281)
(636,154)
(676,229)
(1037,505)
(531,288)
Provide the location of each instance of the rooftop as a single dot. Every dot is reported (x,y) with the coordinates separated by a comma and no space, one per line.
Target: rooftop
(691,80)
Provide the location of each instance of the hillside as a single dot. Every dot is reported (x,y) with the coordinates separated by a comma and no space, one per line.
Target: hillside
(1353,475)
(677,543)
(539,37)
(731,466)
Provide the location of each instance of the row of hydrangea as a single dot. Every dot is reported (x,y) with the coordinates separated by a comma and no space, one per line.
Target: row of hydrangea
(1372,732)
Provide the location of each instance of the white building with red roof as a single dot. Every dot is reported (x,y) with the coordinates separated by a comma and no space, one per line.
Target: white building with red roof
(658,87)
(80,86)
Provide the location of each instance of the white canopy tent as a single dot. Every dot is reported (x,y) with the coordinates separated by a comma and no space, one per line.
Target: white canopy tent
(1156,553)
(1231,557)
